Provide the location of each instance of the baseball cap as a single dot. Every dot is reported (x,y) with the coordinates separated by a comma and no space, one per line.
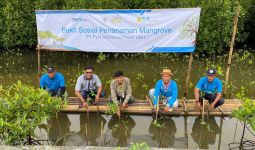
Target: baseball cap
(211,72)
(51,69)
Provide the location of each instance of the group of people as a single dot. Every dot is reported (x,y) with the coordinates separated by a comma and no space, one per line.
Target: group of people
(89,86)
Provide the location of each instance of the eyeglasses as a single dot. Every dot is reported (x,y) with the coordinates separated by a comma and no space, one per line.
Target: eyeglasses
(88,72)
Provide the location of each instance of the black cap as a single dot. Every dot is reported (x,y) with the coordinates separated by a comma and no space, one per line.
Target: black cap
(51,69)
(211,72)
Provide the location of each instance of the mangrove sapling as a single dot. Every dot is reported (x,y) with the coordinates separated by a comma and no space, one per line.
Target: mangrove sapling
(101,57)
(113,108)
(22,109)
(89,101)
(139,146)
(246,114)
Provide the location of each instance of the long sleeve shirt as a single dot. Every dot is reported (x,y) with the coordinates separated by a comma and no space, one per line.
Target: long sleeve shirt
(170,91)
(121,89)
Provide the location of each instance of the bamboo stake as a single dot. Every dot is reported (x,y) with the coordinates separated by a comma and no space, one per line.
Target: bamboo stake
(184,104)
(149,101)
(38,63)
(188,75)
(86,132)
(87,110)
(186,131)
(221,123)
(122,112)
(221,111)
(119,111)
(97,108)
(157,109)
(203,112)
(235,131)
(101,139)
(231,49)
(160,134)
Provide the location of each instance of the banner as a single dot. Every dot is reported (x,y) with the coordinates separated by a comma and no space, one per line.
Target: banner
(150,30)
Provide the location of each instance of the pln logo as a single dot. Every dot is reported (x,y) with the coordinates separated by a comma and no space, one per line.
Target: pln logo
(143,19)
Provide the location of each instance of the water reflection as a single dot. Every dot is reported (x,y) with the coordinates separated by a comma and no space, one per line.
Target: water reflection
(205,134)
(58,128)
(90,128)
(121,129)
(170,132)
(163,132)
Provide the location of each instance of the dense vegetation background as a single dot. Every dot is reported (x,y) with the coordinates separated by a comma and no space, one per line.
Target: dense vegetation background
(18,27)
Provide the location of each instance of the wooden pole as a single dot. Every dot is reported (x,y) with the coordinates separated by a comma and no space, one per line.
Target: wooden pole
(188,75)
(86,133)
(219,143)
(184,100)
(157,109)
(186,131)
(203,112)
(97,108)
(38,63)
(149,101)
(87,111)
(101,138)
(119,109)
(231,49)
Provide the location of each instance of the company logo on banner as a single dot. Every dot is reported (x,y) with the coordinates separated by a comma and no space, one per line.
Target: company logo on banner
(156,30)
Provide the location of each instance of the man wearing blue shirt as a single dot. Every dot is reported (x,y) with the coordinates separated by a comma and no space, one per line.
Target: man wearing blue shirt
(210,88)
(166,90)
(53,82)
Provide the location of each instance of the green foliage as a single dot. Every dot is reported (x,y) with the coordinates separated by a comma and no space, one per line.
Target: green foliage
(18,23)
(246,113)
(22,109)
(157,124)
(101,57)
(139,146)
(113,108)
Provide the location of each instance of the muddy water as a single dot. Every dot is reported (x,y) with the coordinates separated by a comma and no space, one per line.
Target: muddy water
(143,71)
(173,132)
